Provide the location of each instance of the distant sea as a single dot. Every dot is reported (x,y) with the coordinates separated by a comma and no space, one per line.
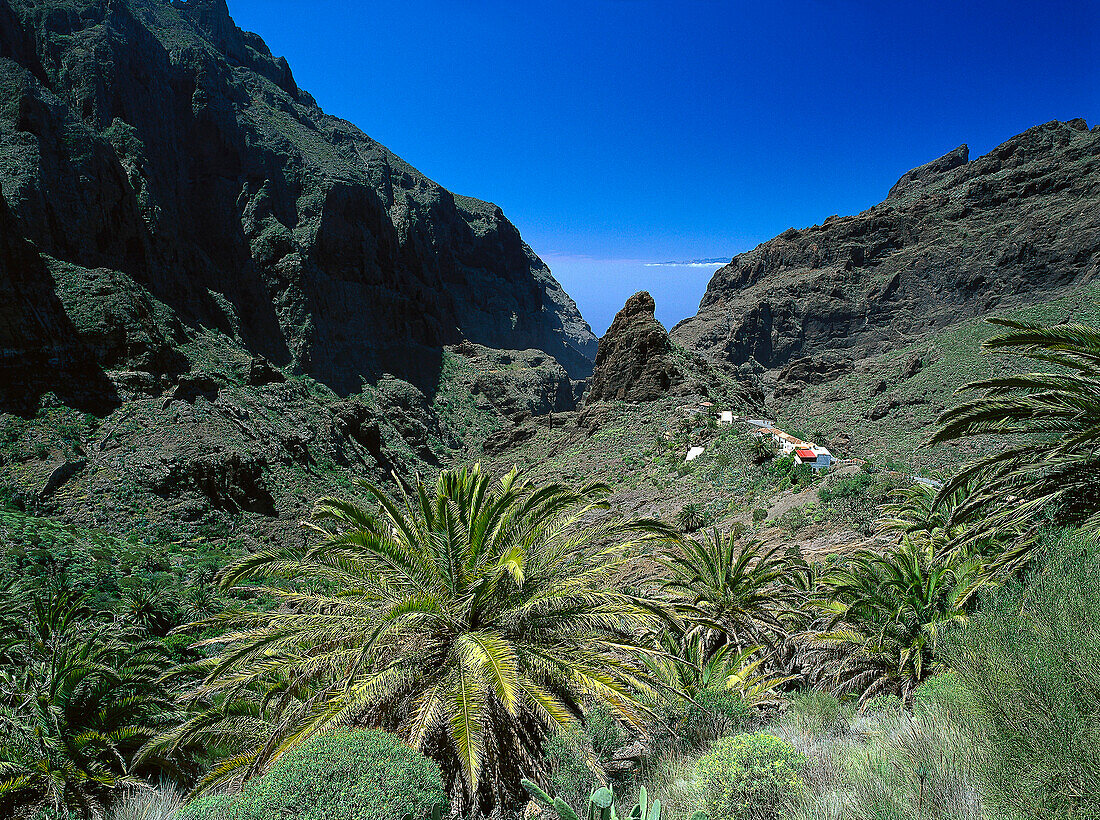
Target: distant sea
(601,287)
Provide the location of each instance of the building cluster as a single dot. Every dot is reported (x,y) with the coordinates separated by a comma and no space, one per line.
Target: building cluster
(804,452)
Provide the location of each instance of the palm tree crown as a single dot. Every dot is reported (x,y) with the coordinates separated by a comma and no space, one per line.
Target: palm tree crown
(735,592)
(472,618)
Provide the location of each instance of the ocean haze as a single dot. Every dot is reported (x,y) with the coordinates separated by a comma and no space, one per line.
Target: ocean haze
(600,287)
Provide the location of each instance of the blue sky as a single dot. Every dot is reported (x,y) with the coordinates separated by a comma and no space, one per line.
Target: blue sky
(619,132)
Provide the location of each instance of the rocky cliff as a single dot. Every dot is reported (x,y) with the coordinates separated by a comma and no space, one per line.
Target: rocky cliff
(163,178)
(955,238)
(218,302)
(634,361)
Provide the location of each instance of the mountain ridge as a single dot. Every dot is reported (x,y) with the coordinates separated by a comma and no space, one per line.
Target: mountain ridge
(160,141)
(953,239)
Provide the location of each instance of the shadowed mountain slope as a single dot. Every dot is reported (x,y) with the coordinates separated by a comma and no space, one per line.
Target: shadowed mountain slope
(162,174)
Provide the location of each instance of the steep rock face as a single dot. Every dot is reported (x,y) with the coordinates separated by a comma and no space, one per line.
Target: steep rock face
(634,361)
(161,161)
(954,239)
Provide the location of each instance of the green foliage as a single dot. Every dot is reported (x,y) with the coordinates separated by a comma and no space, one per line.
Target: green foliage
(1054,411)
(751,776)
(889,764)
(815,713)
(79,696)
(845,486)
(578,758)
(703,697)
(795,519)
(160,584)
(713,713)
(472,616)
(944,525)
(221,806)
(759,514)
(691,517)
(1029,662)
(569,755)
(787,473)
(345,775)
(884,615)
(733,592)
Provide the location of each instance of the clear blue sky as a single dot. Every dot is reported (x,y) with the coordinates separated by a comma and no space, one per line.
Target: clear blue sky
(616,132)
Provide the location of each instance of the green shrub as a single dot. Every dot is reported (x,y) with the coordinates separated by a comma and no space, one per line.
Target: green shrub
(345,775)
(571,778)
(715,713)
(944,692)
(754,776)
(1030,664)
(846,486)
(569,754)
(604,732)
(889,765)
(759,514)
(815,713)
(795,519)
(213,807)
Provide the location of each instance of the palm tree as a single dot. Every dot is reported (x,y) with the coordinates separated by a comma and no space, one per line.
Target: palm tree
(884,615)
(1055,412)
(81,699)
(941,524)
(691,517)
(735,592)
(471,618)
(703,696)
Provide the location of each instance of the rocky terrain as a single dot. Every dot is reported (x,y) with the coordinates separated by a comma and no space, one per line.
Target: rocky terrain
(218,302)
(214,296)
(953,240)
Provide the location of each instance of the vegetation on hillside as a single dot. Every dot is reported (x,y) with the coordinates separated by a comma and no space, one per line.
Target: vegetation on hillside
(431,649)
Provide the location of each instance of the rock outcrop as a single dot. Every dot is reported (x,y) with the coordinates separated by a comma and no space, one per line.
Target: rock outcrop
(634,361)
(163,178)
(955,239)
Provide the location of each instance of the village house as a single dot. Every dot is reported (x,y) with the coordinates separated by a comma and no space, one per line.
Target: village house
(818,458)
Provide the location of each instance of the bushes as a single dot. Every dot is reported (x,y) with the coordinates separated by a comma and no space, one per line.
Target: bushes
(571,778)
(713,713)
(887,764)
(750,776)
(814,713)
(845,486)
(346,775)
(571,754)
(1030,662)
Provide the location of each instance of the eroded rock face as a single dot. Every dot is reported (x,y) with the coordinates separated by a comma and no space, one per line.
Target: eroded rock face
(634,361)
(953,240)
(796,376)
(163,174)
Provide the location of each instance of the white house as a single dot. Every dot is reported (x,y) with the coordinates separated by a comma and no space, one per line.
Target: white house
(725,417)
(694,453)
(818,458)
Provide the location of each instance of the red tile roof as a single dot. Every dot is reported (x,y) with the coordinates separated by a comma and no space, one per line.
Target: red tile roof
(809,455)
